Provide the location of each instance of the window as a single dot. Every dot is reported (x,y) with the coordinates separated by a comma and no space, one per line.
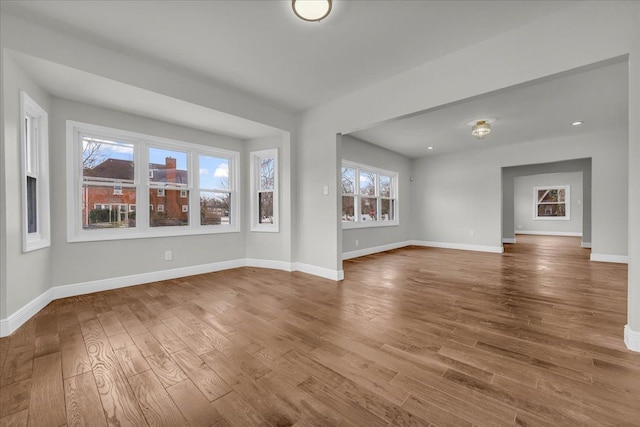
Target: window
(264,190)
(117,170)
(551,203)
(369,196)
(35,175)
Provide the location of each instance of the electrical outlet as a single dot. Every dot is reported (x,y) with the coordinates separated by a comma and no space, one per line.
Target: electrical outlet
(357,242)
(168,255)
(519,227)
(472,233)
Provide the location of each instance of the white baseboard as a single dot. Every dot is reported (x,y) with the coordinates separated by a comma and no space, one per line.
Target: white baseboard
(551,233)
(460,246)
(620,259)
(507,240)
(585,245)
(374,250)
(319,271)
(65,291)
(267,263)
(17,319)
(631,338)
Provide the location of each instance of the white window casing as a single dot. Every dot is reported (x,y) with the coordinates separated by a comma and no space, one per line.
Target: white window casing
(547,208)
(264,189)
(144,182)
(34,137)
(382,198)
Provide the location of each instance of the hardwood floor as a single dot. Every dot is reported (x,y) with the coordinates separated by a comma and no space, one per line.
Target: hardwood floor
(414,336)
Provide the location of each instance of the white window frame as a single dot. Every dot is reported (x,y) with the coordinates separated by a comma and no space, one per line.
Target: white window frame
(357,223)
(254,164)
(160,208)
(36,135)
(75,233)
(567,203)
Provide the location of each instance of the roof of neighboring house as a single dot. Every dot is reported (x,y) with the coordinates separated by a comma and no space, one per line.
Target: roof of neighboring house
(119,169)
(112,168)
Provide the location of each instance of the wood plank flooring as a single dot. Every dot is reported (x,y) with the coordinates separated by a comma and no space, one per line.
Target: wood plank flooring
(414,336)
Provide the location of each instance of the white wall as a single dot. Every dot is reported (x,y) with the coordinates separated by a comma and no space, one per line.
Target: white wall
(360,151)
(524,204)
(25,275)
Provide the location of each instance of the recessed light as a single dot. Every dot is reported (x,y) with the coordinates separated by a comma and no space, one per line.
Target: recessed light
(429,148)
(577,123)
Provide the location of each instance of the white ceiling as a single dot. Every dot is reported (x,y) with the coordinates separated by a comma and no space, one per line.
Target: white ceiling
(70,83)
(261,48)
(532,111)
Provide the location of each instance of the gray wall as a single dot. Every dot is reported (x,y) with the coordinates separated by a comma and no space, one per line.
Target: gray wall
(87,261)
(26,275)
(454,194)
(525,206)
(360,151)
(576,165)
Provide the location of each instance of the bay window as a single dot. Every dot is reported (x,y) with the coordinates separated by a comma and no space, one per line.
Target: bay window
(111,171)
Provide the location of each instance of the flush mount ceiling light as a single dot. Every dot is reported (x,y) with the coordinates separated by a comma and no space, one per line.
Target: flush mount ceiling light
(311,10)
(481,127)
(577,123)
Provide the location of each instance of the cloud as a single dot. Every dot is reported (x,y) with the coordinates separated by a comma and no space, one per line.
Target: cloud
(222,171)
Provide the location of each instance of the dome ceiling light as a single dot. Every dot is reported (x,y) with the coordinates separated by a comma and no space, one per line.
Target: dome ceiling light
(311,10)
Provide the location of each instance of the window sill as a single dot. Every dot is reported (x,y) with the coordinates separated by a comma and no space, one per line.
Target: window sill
(552,218)
(369,224)
(265,228)
(34,245)
(102,235)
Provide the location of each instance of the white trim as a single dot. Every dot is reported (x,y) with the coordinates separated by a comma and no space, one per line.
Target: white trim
(567,203)
(349,225)
(254,165)
(141,145)
(459,246)
(65,291)
(319,271)
(268,263)
(42,237)
(620,259)
(631,338)
(551,233)
(17,319)
(585,245)
(508,240)
(374,250)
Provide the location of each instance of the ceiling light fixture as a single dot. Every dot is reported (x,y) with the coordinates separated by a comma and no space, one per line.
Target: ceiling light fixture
(578,123)
(429,148)
(311,10)
(481,127)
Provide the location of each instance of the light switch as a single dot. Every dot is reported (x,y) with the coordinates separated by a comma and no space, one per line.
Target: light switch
(325,190)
